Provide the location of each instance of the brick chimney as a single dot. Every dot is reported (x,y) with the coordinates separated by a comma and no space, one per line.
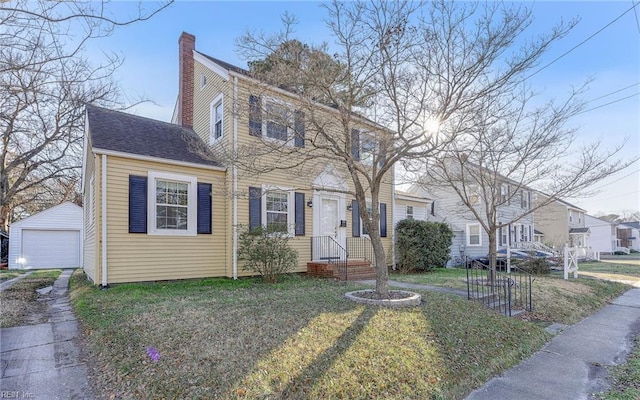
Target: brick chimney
(186,45)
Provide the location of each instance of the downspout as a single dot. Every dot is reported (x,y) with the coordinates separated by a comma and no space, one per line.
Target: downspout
(103,172)
(234,179)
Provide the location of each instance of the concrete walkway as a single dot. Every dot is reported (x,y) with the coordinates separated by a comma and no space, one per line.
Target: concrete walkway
(43,361)
(9,282)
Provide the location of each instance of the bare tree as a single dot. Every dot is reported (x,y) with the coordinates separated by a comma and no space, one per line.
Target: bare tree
(515,152)
(45,80)
(419,72)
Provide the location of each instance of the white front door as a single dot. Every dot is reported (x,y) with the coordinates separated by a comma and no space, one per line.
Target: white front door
(329,236)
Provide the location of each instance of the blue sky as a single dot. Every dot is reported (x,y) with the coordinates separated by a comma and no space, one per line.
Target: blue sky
(611,58)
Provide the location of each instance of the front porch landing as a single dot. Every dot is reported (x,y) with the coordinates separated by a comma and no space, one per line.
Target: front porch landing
(351,270)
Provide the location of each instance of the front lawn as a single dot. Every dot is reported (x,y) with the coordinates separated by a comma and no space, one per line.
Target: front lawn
(19,302)
(301,338)
(554,299)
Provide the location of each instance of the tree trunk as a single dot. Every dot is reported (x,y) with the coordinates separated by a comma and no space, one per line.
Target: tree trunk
(493,253)
(382,272)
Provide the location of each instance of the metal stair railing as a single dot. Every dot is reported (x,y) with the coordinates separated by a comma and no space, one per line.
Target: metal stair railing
(500,291)
(326,248)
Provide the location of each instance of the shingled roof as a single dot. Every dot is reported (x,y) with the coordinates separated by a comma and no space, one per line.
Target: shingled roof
(126,133)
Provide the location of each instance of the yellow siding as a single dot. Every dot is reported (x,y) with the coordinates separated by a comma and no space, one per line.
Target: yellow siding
(90,220)
(552,220)
(300,180)
(142,257)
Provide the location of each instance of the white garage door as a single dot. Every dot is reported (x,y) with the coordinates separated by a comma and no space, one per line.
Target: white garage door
(50,248)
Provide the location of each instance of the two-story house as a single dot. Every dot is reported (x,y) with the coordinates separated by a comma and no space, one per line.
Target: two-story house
(602,237)
(471,240)
(167,200)
(561,223)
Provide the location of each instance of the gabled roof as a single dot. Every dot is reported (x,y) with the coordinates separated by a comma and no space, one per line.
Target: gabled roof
(225,64)
(120,132)
(62,207)
(411,196)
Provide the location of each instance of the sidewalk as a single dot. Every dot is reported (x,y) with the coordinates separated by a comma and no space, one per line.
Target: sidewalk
(8,283)
(572,365)
(42,361)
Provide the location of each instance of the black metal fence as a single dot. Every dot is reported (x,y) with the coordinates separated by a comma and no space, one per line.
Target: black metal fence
(501,291)
(326,248)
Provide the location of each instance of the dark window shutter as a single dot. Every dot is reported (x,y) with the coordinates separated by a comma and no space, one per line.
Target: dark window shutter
(204,208)
(530,205)
(137,204)
(433,208)
(300,129)
(500,236)
(255,208)
(355,219)
(355,144)
(383,220)
(299,214)
(255,116)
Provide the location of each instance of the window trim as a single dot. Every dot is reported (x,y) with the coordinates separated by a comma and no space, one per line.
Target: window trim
(468,231)
(291,134)
(291,222)
(217,101)
(409,215)
(192,204)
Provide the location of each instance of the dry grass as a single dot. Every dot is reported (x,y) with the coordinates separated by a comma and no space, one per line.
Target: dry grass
(20,305)
(301,338)
(554,299)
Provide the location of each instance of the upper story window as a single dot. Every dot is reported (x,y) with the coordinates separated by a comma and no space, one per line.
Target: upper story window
(276,120)
(365,147)
(216,119)
(409,212)
(525,196)
(203,81)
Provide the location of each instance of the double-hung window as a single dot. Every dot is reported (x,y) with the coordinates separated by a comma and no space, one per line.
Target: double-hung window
(172,205)
(367,148)
(409,212)
(279,119)
(277,211)
(473,235)
(217,119)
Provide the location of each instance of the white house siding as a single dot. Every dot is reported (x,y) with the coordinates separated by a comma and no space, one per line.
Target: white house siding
(448,208)
(603,234)
(400,211)
(61,222)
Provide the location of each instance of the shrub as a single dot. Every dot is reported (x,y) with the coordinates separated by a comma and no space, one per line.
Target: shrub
(535,266)
(422,245)
(266,253)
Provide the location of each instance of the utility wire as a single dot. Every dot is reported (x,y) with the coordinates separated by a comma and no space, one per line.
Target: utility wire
(614,92)
(617,180)
(607,104)
(584,41)
(636,13)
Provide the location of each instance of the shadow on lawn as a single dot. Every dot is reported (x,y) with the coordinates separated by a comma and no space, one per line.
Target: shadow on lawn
(316,370)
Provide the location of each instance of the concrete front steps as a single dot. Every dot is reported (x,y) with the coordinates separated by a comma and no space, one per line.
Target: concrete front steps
(356,270)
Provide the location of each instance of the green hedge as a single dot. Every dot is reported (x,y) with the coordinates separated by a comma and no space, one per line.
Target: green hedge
(422,245)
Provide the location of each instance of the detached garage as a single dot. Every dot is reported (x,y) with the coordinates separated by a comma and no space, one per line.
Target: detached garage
(50,239)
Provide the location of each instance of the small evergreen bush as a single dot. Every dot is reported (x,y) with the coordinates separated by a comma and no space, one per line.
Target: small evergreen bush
(266,253)
(422,245)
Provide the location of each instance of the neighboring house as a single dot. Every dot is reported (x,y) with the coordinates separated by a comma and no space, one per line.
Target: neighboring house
(602,234)
(470,239)
(409,206)
(49,239)
(628,235)
(163,201)
(562,223)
